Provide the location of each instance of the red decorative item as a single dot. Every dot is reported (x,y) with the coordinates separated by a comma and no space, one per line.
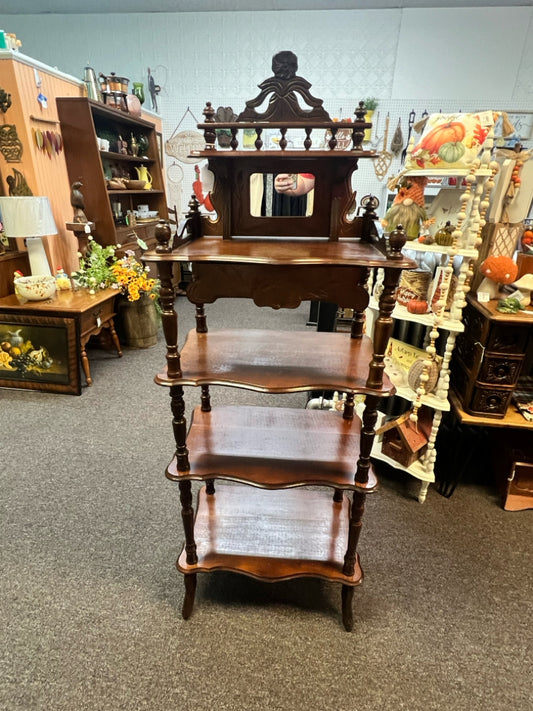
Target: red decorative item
(416,306)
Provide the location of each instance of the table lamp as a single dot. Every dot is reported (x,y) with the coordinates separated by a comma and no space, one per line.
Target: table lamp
(31,218)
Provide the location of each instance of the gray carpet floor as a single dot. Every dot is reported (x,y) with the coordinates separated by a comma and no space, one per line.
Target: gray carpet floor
(90,597)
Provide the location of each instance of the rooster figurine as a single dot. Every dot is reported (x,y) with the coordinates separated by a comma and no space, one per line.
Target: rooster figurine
(408,208)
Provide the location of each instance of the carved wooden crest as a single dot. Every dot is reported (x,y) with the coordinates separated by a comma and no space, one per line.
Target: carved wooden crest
(283,89)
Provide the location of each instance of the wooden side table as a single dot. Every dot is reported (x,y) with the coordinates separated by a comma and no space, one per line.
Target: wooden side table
(65,323)
(509,449)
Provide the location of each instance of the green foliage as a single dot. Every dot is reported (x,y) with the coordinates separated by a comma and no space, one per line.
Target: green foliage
(371,103)
(95,270)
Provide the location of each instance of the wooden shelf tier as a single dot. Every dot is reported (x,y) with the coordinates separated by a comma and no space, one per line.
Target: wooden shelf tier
(272,535)
(121,158)
(282,251)
(299,361)
(111,114)
(142,191)
(273,448)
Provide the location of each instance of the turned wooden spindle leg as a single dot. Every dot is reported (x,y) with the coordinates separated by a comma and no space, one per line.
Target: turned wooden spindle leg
(349,404)
(383,327)
(338,496)
(370,416)
(85,365)
(190,591)
(114,337)
(201,320)
(169,317)
(347,607)
(179,425)
(356,522)
(187,516)
(206,407)
(206,399)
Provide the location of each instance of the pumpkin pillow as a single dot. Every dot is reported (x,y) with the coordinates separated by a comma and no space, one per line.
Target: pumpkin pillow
(450,141)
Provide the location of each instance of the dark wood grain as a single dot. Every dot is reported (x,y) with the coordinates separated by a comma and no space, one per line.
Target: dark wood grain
(293,252)
(277,361)
(273,447)
(272,535)
(279,286)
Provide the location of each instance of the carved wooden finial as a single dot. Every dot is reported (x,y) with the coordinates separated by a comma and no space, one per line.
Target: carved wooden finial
(163,234)
(397,239)
(210,135)
(360,111)
(209,112)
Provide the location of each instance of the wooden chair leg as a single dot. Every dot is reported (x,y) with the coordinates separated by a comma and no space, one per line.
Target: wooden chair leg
(347,611)
(190,591)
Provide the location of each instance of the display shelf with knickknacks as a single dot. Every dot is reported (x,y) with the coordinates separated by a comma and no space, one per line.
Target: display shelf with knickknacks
(461,212)
(118,158)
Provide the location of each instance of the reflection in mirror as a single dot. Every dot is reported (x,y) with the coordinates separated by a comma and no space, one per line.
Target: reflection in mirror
(281,194)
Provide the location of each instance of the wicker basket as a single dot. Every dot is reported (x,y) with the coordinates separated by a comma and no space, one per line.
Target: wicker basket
(413,285)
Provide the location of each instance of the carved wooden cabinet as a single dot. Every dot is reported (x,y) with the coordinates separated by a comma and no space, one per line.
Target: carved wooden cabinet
(302,475)
(488,358)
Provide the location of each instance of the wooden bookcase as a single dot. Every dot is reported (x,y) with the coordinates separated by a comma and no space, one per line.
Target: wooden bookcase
(302,474)
(83,121)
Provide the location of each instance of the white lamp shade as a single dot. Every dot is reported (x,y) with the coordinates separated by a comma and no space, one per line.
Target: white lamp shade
(27,216)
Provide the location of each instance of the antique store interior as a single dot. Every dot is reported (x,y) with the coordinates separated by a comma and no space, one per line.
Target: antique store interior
(256,258)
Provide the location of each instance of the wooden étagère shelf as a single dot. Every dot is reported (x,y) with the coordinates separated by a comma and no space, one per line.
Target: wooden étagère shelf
(272,523)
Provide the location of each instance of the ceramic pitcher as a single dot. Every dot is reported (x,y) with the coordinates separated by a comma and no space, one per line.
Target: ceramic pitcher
(143,174)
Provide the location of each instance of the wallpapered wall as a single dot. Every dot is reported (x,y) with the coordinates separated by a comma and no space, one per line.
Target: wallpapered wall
(424,59)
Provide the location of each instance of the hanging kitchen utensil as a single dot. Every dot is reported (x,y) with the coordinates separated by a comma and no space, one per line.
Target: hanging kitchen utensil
(396,144)
(410,122)
(374,143)
(384,160)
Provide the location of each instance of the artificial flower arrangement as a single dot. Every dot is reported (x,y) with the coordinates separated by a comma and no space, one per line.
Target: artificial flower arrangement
(132,279)
(100,269)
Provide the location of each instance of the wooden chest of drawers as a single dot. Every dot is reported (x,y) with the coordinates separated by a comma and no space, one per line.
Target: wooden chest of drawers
(489,356)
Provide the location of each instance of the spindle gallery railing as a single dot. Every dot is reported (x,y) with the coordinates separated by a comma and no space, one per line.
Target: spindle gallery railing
(356,128)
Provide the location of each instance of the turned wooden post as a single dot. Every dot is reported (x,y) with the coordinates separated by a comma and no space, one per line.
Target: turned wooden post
(179,425)
(169,317)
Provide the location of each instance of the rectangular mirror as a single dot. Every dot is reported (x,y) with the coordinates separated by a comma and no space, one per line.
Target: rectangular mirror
(281,194)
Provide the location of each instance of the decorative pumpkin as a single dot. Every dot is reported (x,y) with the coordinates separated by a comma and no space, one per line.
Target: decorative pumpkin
(417,306)
(444,236)
(451,152)
(416,370)
(452,132)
